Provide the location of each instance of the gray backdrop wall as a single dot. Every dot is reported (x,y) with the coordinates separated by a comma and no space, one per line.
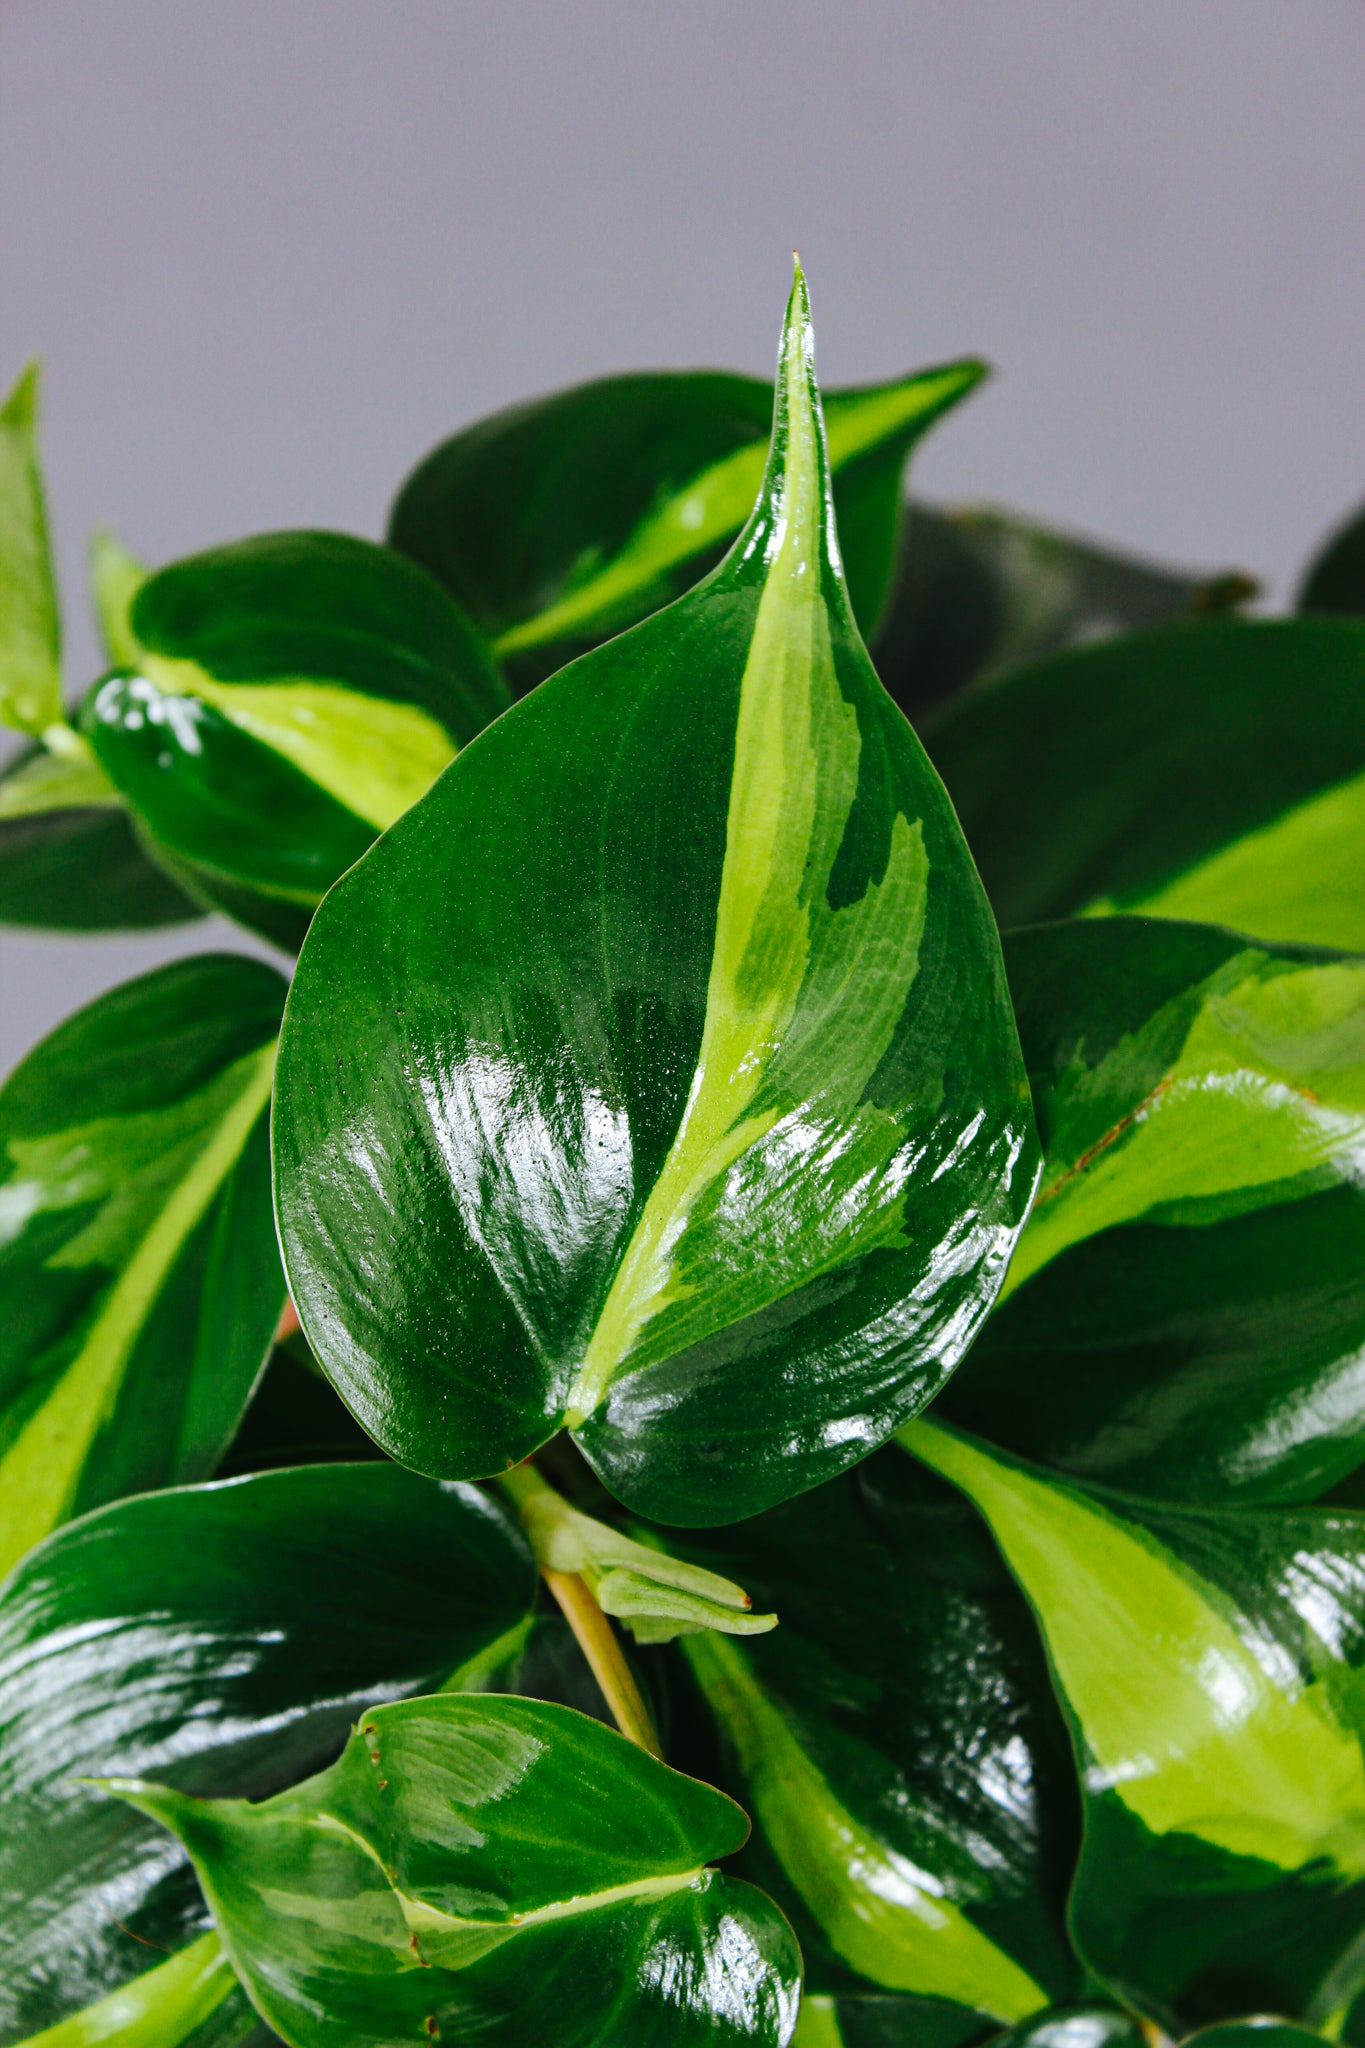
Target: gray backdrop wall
(272,249)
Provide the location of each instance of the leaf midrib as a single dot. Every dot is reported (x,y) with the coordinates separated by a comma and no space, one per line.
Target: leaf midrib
(421,1917)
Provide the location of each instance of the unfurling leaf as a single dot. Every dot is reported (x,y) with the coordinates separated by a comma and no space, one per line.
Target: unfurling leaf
(491,1870)
(223,1638)
(1209,1664)
(657,1595)
(30,622)
(661,1059)
(139,1278)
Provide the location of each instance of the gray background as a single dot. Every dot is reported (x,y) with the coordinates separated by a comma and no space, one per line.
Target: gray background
(272,249)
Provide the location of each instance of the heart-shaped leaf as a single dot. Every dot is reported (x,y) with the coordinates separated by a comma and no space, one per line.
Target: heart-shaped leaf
(978,590)
(224,1638)
(494,1870)
(69,857)
(1212,770)
(874,1736)
(557,523)
(1209,1664)
(30,621)
(661,1060)
(291,696)
(139,1276)
(1196,1330)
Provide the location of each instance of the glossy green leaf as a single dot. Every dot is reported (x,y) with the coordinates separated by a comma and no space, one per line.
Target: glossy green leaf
(1213,771)
(1335,581)
(897,1744)
(1210,1667)
(563,521)
(70,859)
(661,1059)
(978,590)
(30,622)
(495,1870)
(139,1276)
(1197,1328)
(1243,1087)
(222,1638)
(290,697)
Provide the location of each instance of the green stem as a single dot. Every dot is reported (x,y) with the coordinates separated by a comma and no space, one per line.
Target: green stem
(598,1641)
(658,1596)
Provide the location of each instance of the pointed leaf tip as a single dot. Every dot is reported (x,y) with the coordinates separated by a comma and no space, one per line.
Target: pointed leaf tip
(30,633)
(20,408)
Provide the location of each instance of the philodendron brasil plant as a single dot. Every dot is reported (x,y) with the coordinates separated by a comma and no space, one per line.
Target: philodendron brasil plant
(840,1521)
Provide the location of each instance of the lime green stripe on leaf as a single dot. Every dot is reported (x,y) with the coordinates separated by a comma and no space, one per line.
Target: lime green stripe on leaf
(1300,877)
(818,2024)
(718,501)
(1197,1725)
(152,1195)
(884,1917)
(373,754)
(801,1001)
(157,2010)
(1264,1102)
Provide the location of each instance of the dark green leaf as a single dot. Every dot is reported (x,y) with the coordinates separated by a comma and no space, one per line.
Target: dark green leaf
(291,696)
(492,1870)
(562,521)
(1335,582)
(69,857)
(662,1060)
(139,1275)
(897,1743)
(1214,770)
(1197,1329)
(223,1637)
(1210,1665)
(30,623)
(978,590)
